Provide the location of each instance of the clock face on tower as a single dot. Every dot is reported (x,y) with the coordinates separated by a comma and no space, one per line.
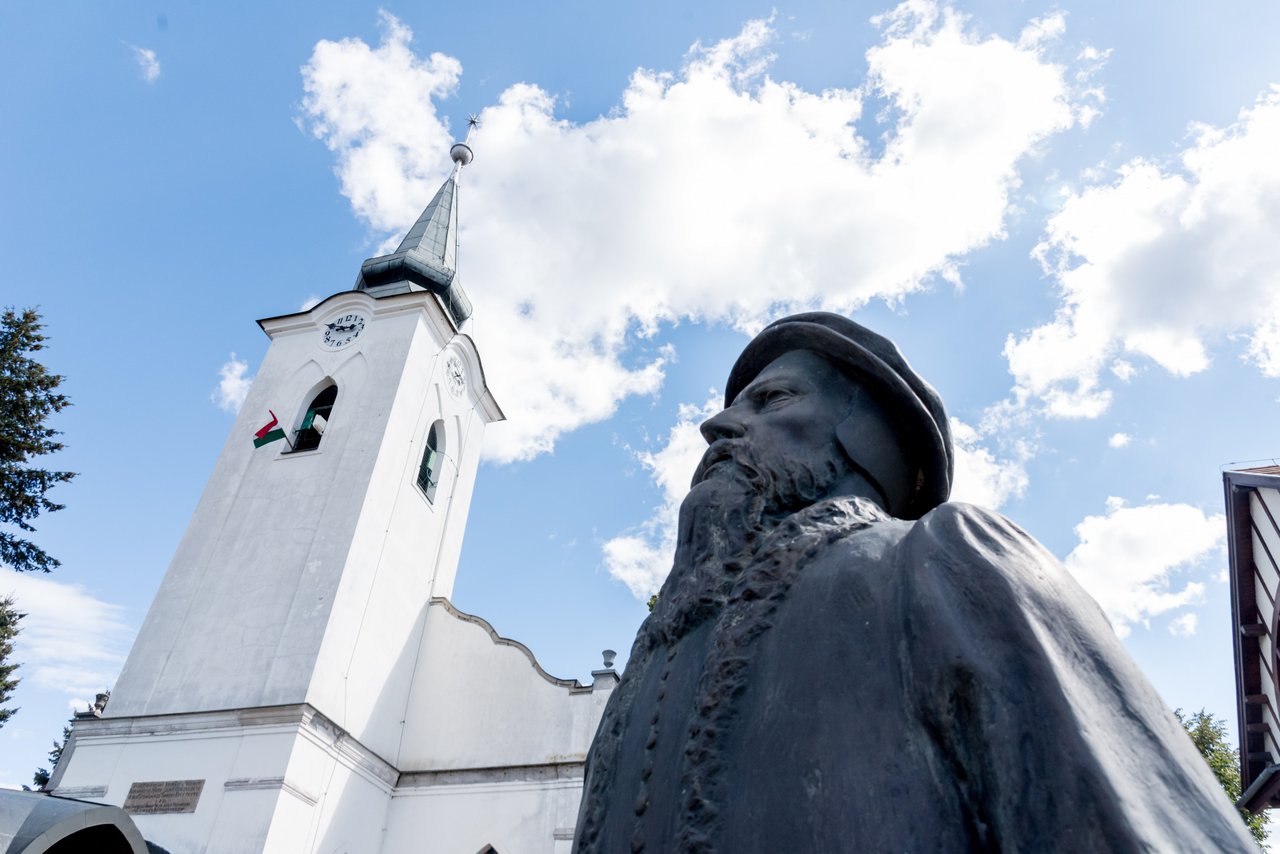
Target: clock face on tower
(343,330)
(455,376)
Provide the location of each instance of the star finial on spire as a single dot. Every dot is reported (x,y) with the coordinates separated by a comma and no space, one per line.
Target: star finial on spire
(461,151)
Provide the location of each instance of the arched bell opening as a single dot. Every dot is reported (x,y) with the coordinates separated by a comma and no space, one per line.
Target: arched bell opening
(315,418)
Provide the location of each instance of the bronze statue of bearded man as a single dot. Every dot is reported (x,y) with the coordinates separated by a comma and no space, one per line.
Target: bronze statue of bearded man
(842,661)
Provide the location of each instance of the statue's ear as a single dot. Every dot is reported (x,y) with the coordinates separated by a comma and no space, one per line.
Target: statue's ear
(871,441)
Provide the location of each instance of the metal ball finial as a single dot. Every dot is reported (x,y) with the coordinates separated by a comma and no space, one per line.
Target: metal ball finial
(461,153)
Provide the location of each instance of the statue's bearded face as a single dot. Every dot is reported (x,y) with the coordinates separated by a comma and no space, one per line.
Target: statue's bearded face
(772,452)
(778,437)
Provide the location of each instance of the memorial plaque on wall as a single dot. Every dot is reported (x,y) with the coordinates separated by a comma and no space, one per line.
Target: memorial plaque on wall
(163,796)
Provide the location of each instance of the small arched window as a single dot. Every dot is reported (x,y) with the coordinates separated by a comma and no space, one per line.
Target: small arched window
(315,420)
(432,461)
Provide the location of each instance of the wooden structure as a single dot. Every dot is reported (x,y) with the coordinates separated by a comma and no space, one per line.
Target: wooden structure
(1253,542)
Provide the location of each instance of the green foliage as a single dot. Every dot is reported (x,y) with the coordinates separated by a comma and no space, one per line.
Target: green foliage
(41,777)
(1209,734)
(9,617)
(653,600)
(28,396)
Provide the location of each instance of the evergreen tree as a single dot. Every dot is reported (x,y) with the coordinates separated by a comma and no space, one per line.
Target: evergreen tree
(41,777)
(9,617)
(28,396)
(1210,737)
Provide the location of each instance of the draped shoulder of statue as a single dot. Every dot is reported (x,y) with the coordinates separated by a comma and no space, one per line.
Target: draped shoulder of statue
(862,666)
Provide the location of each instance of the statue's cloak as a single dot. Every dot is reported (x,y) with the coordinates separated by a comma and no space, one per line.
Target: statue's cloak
(872,684)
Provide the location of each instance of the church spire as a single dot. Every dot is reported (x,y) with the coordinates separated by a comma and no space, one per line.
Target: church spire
(427,258)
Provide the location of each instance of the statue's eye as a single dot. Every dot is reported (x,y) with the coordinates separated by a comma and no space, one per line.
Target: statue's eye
(775,396)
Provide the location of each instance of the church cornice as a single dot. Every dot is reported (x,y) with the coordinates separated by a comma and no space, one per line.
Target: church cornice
(331,738)
(301,717)
(377,305)
(507,774)
(387,305)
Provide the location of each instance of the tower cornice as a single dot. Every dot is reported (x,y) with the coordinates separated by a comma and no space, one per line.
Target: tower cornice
(426,303)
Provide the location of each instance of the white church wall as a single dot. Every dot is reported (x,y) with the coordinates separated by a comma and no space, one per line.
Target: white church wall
(470,429)
(246,615)
(483,702)
(238,757)
(339,796)
(515,818)
(274,780)
(238,619)
(365,666)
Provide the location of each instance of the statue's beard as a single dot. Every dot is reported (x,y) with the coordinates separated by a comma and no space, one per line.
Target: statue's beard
(737,498)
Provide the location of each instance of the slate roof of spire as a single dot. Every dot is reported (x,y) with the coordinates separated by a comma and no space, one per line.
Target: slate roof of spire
(427,257)
(430,235)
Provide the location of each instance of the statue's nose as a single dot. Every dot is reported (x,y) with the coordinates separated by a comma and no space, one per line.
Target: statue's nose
(723,425)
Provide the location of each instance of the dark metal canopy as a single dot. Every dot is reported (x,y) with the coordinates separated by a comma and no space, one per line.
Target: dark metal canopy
(35,823)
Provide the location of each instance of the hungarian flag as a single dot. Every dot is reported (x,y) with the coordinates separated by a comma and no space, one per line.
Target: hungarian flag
(269,432)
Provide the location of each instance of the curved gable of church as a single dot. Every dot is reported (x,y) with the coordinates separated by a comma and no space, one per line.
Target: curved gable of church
(482,701)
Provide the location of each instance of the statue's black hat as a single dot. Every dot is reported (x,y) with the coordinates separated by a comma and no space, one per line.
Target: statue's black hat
(922,437)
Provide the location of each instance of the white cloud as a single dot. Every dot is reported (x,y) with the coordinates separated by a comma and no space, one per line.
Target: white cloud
(148,65)
(714,193)
(980,477)
(1127,559)
(1264,345)
(233,385)
(309,303)
(1123,370)
(1119,440)
(374,108)
(70,641)
(642,560)
(1183,626)
(1162,263)
(1091,97)
(1040,30)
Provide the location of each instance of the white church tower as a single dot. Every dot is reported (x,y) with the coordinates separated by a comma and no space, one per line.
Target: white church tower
(302,682)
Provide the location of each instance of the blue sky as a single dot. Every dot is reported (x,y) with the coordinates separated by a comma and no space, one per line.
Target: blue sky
(1064,214)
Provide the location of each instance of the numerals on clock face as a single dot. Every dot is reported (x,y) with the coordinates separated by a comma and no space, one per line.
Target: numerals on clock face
(455,376)
(343,331)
